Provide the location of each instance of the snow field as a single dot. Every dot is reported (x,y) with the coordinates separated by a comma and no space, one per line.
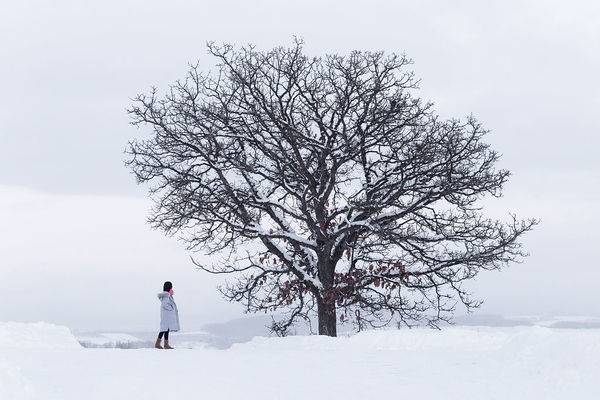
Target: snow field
(455,363)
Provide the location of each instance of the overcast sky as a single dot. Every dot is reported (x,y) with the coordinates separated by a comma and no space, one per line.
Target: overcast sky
(74,246)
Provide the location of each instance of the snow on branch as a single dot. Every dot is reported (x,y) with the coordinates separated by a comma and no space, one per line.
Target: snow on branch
(328,186)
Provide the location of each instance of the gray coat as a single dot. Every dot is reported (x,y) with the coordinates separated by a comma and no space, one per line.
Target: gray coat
(169,316)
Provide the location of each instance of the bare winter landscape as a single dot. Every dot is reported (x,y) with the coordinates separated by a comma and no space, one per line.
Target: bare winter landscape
(299,200)
(459,363)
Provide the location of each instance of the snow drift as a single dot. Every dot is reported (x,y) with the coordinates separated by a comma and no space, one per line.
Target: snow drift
(17,341)
(38,335)
(449,340)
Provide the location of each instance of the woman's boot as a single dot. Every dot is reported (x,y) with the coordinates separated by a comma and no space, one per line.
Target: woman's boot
(167,345)
(157,344)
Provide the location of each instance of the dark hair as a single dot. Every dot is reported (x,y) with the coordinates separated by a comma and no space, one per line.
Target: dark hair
(167,286)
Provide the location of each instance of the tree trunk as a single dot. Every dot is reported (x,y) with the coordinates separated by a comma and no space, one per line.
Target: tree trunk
(327,319)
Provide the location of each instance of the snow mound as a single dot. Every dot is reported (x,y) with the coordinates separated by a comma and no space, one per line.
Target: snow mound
(448,340)
(39,335)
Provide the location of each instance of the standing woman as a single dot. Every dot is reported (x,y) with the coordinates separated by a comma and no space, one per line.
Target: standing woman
(169,316)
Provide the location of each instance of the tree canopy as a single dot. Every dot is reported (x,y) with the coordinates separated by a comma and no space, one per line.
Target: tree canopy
(327,187)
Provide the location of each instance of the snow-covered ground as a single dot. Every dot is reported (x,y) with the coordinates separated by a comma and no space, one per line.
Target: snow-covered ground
(42,361)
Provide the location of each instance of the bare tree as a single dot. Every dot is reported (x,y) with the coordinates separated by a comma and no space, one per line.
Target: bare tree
(326,184)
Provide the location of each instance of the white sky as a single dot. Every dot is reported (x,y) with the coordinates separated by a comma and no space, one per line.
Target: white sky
(74,247)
